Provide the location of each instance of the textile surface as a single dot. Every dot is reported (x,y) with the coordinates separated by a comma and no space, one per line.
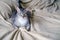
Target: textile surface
(45,22)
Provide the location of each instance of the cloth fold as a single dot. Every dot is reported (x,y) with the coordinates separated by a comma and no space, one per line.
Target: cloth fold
(45,22)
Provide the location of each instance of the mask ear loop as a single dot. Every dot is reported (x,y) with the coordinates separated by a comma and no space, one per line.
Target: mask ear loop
(18,10)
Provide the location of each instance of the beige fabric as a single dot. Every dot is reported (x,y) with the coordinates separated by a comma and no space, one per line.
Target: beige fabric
(45,24)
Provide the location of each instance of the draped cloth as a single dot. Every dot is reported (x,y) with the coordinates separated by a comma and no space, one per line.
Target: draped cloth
(45,21)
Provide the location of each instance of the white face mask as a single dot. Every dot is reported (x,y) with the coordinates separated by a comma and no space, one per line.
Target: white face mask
(21,19)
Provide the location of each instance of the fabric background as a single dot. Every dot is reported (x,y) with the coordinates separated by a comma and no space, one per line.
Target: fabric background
(45,24)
